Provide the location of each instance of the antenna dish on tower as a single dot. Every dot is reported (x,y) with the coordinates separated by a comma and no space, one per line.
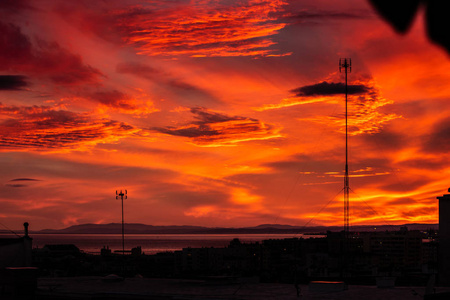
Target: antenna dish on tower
(345,63)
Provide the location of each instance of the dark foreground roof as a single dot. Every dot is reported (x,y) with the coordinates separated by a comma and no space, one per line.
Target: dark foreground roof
(162,289)
(62,247)
(11,241)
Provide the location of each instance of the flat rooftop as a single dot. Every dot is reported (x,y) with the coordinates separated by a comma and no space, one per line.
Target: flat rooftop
(161,289)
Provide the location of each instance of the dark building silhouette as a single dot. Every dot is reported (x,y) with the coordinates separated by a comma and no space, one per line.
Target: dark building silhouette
(16,252)
(18,279)
(62,250)
(444,239)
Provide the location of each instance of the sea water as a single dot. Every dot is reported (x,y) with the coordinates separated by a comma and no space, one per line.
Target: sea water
(151,243)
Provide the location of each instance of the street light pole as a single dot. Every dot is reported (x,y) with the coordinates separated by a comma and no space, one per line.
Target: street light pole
(122,195)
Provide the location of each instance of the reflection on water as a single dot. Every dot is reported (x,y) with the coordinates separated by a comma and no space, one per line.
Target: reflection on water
(151,243)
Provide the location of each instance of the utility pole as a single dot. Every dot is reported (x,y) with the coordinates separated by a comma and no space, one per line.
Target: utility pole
(121,195)
(346,65)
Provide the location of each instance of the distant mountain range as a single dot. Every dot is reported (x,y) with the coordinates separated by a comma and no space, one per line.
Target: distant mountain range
(133,228)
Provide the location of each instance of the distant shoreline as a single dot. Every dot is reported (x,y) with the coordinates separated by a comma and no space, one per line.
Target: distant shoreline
(132,228)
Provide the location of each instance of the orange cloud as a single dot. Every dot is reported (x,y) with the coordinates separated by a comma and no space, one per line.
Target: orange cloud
(211,129)
(201,211)
(122,102)
(242,197)
(203,28)
(291,101)
(27,128)
(364,101)
(43,59)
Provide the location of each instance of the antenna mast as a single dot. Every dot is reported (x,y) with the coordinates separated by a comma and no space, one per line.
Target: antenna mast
(345,64)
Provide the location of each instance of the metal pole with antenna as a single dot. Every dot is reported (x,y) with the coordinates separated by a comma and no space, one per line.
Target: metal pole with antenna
(122,195)
(346,64)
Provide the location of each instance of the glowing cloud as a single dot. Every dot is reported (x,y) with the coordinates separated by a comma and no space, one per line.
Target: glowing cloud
(213,129)
(27,128)
(43,58)
(122,102)
(364,102)
(203,28)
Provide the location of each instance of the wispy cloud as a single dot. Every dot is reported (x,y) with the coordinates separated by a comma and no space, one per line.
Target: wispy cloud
(203,28)
(122,102)
(42,58)
(364,99)
(319,92)
(213,129)
(25,128)
(21,182)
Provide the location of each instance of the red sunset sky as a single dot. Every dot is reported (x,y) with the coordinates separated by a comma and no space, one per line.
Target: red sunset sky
(217,113)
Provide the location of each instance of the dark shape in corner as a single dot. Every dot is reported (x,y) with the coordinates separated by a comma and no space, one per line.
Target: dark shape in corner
(12,82)
(401,13)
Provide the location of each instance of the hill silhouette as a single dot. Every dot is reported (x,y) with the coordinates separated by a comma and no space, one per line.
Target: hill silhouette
(137,228)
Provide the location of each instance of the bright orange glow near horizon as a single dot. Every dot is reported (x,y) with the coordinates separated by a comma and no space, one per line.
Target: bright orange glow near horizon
(218,113)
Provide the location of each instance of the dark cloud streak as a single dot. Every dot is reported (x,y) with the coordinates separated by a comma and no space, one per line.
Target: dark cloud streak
(322,14)
(327,89)
(439,139)
(113,98)
(212,128)
(12,82)
(17,185)
(42,58)
(20,185)
(24,179)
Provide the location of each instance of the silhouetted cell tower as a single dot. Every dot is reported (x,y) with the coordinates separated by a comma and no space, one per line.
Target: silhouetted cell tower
(122,195)
(345,64)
